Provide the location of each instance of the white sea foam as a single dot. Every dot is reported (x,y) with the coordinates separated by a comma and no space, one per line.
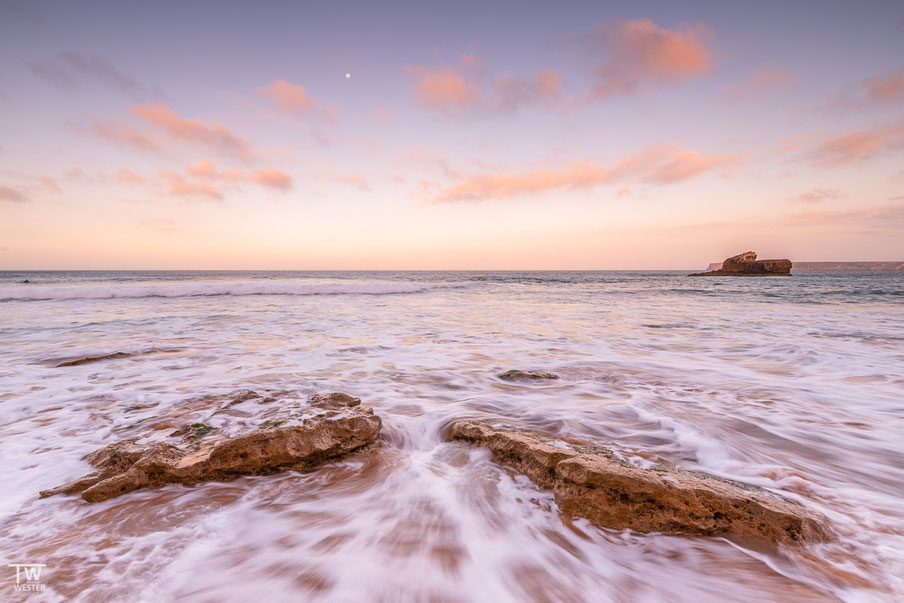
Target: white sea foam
(41,292)
(788,391)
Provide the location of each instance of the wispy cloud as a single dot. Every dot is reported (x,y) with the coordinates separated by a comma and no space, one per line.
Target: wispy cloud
(815,195)
(882,90)
(294,100)
(129,177)
(633,54)
(355,180)
(276,179)
(213,136)
(460,89)
(203,179)
(123,135)
(880,219)
(444,89)
(659,164)
(640,52)
(11,194)
(289,98)
(856,147)
(182,187)
(761,82)
(544,87)
(51,185)
(887,87)
(69,70)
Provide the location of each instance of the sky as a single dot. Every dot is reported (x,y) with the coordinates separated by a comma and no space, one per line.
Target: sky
(465,135)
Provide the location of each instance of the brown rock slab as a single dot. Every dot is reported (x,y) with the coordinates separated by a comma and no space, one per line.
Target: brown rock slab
(591,482)
(516,375)
(746,264)
(127,466)
(334,401)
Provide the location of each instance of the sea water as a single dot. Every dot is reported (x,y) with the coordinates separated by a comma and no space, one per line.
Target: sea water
(792,384)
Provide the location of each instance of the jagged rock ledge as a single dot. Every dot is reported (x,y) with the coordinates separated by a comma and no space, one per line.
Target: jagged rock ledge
(591,482)
(746,264)
(275,445)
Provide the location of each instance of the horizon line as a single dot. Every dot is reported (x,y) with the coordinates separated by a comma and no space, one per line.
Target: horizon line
(413,269)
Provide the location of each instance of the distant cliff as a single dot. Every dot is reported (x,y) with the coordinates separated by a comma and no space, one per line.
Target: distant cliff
(869,266)
(746,264)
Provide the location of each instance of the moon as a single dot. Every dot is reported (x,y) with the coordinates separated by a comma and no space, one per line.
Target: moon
(348,75)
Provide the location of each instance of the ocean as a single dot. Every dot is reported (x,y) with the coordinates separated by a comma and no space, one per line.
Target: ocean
(791,384)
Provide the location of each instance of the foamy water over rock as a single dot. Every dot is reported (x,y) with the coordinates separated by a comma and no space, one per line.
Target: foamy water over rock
(592,482)
(790,385)
(288,443)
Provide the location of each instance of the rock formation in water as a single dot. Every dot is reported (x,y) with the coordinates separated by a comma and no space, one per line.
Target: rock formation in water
(291,443)
(746,264)
(516,375)
(591,482)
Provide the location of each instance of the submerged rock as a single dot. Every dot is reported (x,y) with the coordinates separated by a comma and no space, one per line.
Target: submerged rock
(746,264)
(516,375)
(591,482)
(334,401)
(89,359)
(289,444)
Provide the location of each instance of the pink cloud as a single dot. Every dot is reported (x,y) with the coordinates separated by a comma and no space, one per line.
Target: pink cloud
(818,194)
(887,87)
(856,147)
(640,51)
(203,169)
(483,187)
(545,87)
(181,187)
(123,135)
(658,164)
(11,194)
(205,180)
(869,93)
(129,177)
(51,185)
(444,89)
(471,62)
(665,164)
(214,136)
(290,98)
(354,180)
(455,90)
(267,178)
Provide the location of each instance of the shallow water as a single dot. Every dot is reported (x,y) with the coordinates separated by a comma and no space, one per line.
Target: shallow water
(791,384)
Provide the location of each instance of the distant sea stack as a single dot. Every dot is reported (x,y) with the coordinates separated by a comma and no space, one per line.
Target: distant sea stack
(746,264)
